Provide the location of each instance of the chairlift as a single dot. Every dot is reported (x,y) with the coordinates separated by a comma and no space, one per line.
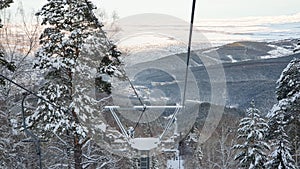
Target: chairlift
(149,143)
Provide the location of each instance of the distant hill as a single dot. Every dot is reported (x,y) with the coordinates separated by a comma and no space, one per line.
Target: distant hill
(247,80)
(249,50)
(250,76)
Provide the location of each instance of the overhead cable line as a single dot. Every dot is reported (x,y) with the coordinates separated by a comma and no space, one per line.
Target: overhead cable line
(31,92)
(188,53)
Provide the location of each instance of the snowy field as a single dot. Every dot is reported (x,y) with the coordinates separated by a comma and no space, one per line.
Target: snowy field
(208,34)
(221,31)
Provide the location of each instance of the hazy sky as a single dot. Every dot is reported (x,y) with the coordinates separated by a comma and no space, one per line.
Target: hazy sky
(205,9)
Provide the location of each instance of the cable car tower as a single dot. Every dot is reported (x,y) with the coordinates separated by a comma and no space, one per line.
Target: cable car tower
(143,145)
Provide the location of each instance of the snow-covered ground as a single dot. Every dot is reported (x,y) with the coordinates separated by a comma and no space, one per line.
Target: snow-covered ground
(272,28)
(211,33)
(149,47)
(223,31)
(232,60)
(277,52)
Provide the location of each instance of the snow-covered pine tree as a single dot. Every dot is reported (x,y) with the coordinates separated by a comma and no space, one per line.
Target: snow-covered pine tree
(280,157)
(3,62)
(250,153)
(288,107)
(288,96)
(69,23)
(288,89)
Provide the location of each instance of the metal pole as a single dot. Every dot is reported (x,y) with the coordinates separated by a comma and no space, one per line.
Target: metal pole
(189,52)
(119,124)
(169,123)
(35,139)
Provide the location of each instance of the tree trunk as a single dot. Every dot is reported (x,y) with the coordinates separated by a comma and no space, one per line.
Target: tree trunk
(77,153)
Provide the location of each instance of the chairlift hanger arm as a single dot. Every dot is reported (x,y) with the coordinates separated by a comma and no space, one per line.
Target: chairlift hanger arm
(142,107)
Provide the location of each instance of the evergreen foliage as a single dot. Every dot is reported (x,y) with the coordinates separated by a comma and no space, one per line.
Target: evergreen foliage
(251,152)
(284,118)
(281,157)
(66,58)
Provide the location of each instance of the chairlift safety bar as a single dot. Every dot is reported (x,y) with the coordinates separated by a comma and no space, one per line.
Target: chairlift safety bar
(142,107)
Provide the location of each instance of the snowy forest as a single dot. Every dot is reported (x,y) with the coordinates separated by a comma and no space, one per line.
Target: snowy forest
(55,81)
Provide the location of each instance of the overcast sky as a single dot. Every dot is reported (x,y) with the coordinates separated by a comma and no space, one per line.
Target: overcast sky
(205,9)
